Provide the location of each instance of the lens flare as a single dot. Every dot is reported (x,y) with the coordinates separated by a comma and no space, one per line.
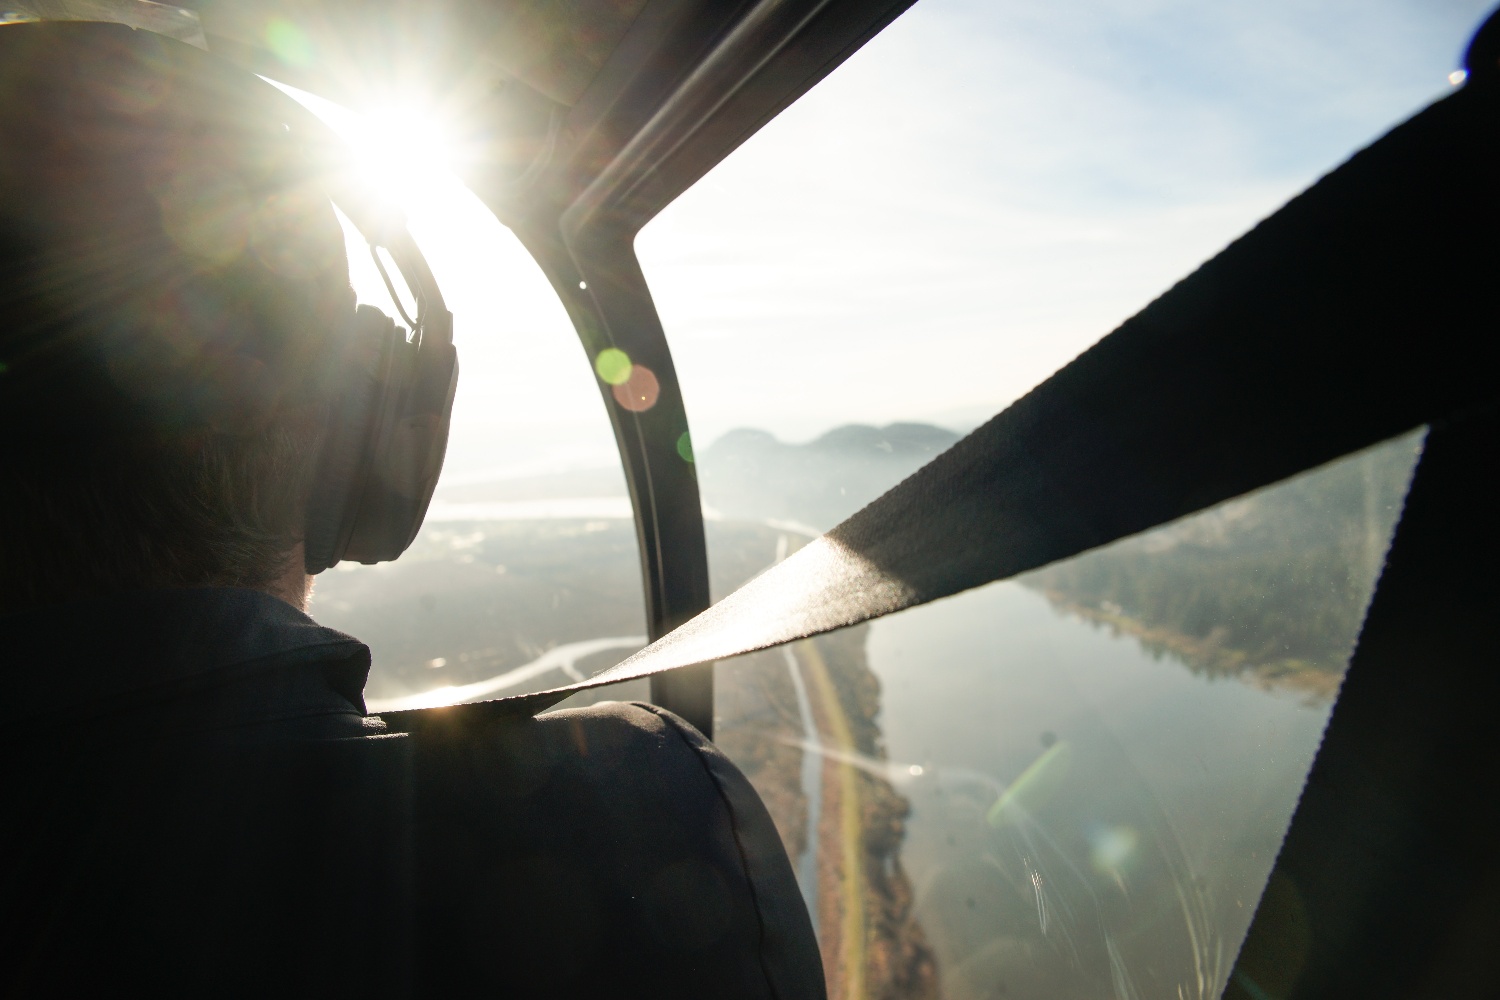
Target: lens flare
(1034,787)
(639,392)
(685,447)
(288,42)
(1112,847)
(613,366)
(207,214)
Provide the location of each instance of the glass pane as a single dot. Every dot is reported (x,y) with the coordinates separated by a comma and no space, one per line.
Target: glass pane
(525,575)
(971,200)
(1072,784)
(979,194)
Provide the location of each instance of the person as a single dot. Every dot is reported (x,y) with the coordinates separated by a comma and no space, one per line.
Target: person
(197,801)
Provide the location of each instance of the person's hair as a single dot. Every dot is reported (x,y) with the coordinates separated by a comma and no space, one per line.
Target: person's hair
(170,282)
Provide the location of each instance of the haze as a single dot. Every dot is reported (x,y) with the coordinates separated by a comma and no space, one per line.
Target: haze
(971,200)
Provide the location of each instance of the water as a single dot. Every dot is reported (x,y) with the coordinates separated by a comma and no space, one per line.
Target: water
(1074,786)
(1088,819)
(985,796)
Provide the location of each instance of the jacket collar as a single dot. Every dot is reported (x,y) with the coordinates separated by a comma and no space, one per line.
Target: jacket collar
(224,655)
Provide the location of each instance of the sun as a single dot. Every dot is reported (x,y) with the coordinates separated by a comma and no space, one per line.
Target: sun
(523,383)
(400,149)
(404,157)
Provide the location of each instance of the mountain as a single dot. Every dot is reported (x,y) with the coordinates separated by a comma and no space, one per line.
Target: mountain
(749,474)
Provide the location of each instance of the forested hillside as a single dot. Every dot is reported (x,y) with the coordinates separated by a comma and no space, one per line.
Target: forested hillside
(1271,583)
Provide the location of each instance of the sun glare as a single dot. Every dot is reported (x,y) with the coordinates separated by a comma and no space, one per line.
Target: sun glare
(400,150)
(403,156)
(527,398)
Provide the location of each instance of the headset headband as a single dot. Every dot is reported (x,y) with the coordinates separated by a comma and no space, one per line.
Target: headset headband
(387,427)
(388,436)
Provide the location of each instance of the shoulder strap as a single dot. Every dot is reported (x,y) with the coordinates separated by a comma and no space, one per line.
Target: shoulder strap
(1353,314)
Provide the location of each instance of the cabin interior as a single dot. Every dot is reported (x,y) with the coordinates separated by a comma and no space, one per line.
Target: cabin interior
(1042,444)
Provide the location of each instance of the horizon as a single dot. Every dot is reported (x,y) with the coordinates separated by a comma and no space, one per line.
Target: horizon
(970,201)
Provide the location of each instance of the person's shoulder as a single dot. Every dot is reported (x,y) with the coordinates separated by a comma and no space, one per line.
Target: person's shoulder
(608,843)
(622,720)
(585,757)
(615,728)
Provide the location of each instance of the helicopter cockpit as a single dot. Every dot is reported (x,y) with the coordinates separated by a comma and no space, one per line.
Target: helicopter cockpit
(1068,662)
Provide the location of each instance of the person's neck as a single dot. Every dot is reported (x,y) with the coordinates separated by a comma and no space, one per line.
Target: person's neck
(295,585)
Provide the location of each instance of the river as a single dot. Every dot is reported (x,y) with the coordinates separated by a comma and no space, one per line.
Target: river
(1087,820)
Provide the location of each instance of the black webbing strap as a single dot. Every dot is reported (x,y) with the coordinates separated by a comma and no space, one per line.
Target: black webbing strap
(1358,311)
(1388,882)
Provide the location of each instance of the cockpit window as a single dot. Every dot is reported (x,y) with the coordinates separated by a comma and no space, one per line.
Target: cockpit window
(525,575)
(985,189)
(1075,783)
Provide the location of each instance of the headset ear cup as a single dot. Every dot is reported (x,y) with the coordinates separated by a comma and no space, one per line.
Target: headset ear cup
(407,457)
(362,361)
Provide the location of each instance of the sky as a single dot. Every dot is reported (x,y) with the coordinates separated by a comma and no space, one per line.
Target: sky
(526,401)
(976,196)
(988,188)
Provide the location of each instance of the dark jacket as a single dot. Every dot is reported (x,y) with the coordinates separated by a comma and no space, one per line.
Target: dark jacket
(195,803)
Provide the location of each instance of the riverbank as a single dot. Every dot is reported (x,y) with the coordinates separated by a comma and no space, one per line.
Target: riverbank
(1207,655)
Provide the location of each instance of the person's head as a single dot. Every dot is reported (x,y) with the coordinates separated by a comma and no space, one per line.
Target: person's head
(170,278)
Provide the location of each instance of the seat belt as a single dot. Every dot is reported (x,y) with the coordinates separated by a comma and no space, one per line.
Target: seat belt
(1355,313)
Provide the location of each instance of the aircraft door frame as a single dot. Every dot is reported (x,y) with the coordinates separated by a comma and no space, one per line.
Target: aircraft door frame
(597,277)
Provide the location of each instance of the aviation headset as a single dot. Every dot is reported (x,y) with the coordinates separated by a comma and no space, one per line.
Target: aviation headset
(387,426)
(387,431)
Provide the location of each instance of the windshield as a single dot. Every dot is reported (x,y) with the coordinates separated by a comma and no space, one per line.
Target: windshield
(985,189)
(1073,784)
